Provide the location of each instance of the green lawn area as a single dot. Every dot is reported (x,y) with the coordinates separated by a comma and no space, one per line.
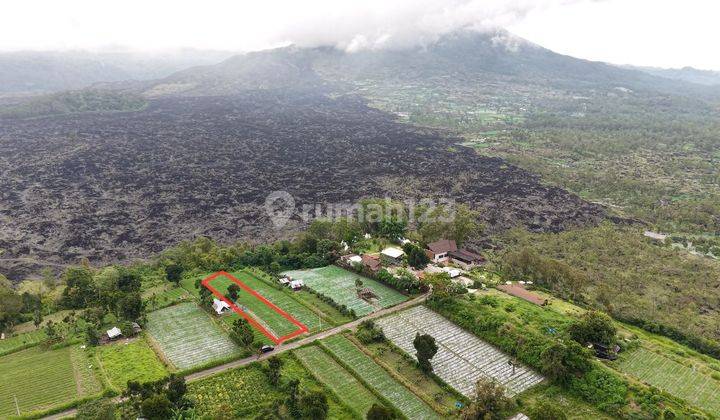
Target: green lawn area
(243,392)
(350,391)
(22,340)
(188,337)
(126,361)
(339,285)
(573,407)
(263,313)
(377,378)
(672,377)
(164,295)
(41,380)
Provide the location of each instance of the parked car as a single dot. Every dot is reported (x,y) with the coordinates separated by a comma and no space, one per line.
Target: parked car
(266,349)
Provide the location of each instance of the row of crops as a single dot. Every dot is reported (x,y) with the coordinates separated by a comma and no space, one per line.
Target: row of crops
(377,378)
(673,377)
(351,391)
(462,358)
(339,285)
(36,379)
(188,337)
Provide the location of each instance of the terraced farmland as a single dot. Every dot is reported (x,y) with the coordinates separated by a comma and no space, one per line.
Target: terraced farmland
(188,337)
(462,358)
(350,391)
(339,285)
(133,361)
(378,378)
(21,341)
(673,377)
(41,380)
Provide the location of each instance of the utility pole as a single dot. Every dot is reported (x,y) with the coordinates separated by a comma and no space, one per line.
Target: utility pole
(17,407)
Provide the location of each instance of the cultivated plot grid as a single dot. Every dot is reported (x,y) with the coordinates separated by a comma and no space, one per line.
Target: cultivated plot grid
(339,285)
(188,337)
(348,389)
(378,378)
(462,358)
(674,378)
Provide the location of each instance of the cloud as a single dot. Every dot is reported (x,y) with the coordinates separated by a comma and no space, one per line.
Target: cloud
(245,25)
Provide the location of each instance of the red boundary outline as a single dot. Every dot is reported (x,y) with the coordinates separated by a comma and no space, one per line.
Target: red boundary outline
(277,340)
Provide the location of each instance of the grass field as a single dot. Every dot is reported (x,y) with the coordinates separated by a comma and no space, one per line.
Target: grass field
(351,392)
(188,337)
(243,392)
(41,379)
(130,361)
(672,377)
(163,296)
(267,316)
(378,379)
(339,285)
(21,341)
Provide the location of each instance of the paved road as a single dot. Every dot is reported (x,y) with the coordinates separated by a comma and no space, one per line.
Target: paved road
(278,349)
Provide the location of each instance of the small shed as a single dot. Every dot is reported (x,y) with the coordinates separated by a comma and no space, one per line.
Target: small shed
(220,306)
(285,280)
(114,333)
(297,284)
(392,255)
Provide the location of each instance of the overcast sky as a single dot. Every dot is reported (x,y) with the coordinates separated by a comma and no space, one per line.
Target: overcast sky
(642,32)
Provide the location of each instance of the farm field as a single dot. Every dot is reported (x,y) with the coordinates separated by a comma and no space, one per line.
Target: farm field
(188,337)
(41,380)
(673,378)
(462,358)
(243,392)
(350,391)
(339,285)
(20,341)
(163,296)
(272,320)
(377,378)
(130,361)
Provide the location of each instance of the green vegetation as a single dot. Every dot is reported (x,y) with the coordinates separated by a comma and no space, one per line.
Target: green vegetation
(187,337)
(379,380)
(672,377)
(246,392)
(21,341)
(71,102)
(130,361)
(349,390)
(339,285)
(619,271)
(42,379)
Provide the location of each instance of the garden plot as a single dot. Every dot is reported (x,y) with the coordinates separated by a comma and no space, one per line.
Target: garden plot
(674,378)
(130,361)
(188,337)
(378,378)
(339,285)
(462,358)
(350,391)
(36,380)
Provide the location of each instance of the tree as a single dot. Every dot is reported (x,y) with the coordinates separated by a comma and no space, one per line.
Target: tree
(156,407)
(10,306)
(37,317)
(174,272)
(92,336)
(80,289)
(416,256)
(293,400)
(273,371)
(440,283)
(129,281)
(358,283)
(489,402)
(545,409)
(368,332)
(232,291)
(380,412)
(103,409)
(314,405)
(131,306)
(426,348)
(176,389)
(561,361)
(242,332)
(593,327)
(465,224)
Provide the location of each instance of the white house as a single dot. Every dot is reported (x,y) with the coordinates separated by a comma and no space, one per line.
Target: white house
(285,280)
(355,259)
(297,284)
(114,333)
(220,306)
